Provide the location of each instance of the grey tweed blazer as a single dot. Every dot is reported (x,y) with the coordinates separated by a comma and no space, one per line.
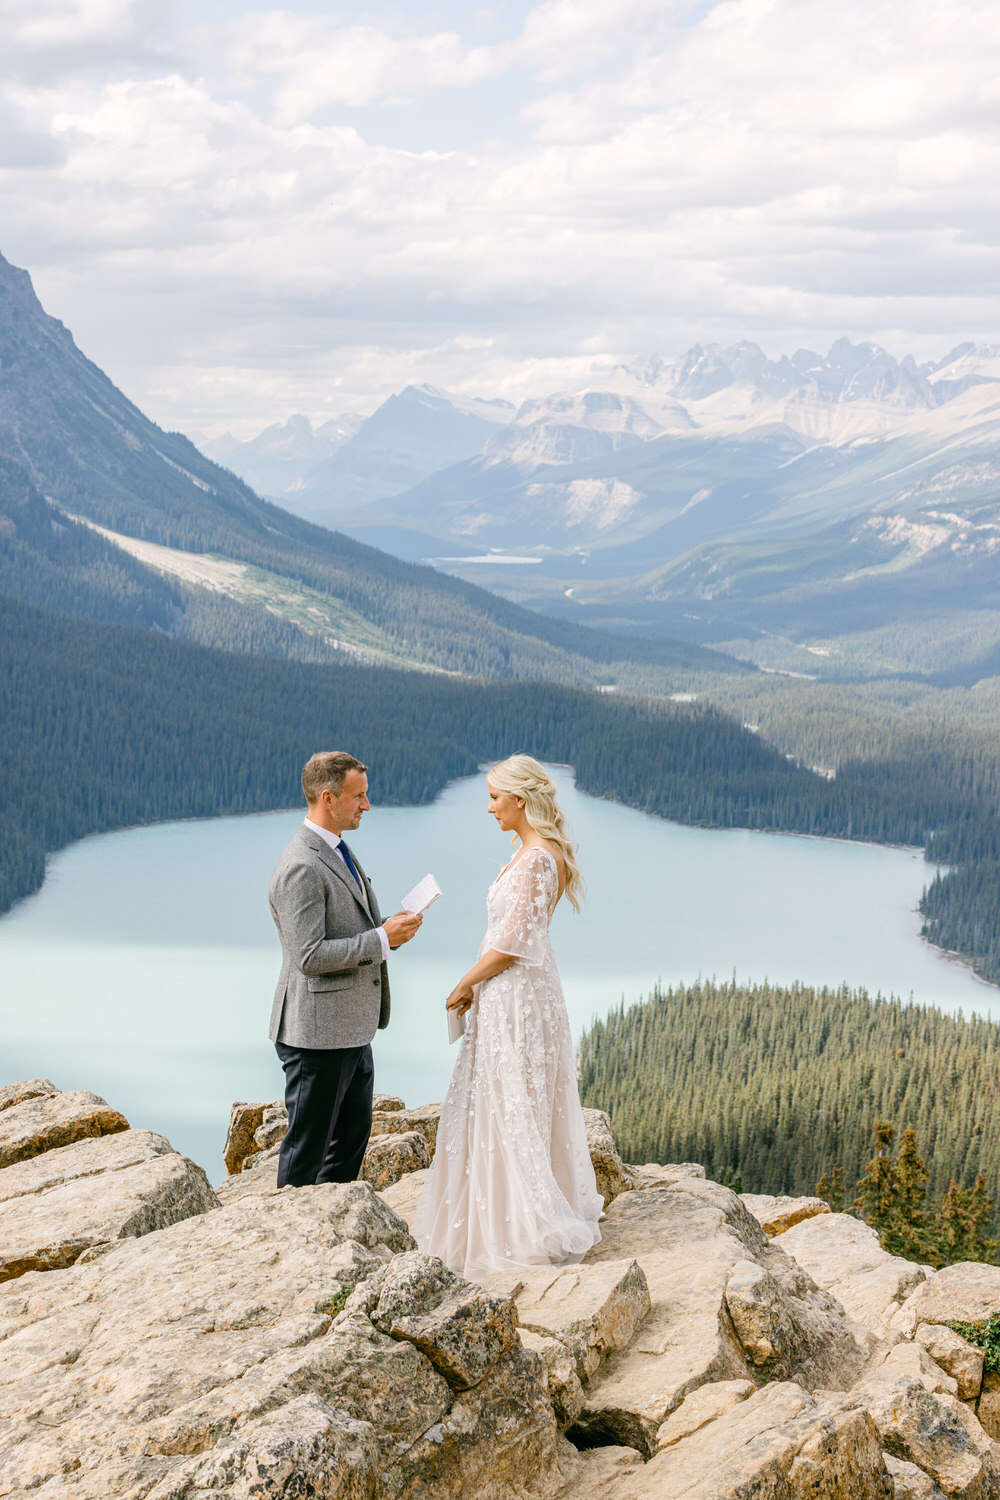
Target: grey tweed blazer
(333,989)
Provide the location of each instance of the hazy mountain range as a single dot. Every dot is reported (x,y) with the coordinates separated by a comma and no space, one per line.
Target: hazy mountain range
(105,515)
(844,505)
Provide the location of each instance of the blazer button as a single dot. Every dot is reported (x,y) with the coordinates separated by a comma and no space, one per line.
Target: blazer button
(376,981)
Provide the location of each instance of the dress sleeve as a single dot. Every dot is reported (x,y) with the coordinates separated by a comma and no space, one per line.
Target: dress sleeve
(523,926)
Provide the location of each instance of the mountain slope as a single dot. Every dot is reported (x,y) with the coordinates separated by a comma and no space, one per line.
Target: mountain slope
(802,495)
(93,453)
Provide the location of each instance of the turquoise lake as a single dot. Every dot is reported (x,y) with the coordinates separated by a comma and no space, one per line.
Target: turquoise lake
(144,968)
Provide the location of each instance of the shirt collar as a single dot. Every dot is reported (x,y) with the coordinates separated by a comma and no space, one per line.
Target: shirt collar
(333,839)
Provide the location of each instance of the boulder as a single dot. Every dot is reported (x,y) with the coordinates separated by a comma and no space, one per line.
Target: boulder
(962,1360)
(988,1405)
(461,1328)
(609,1169)
(382,1102)
(390,1157)
(600,1473)
(913,1359)
(688,1238)
(43,1122)
(55,1206)
(701,1407)
(775,1215)
(244,1119)
(843,1255)
(399,1121)
(780,1444)
(592,1310)
(230,1353)
(27,1088)
(936,1432)
(912,1483)
(565,1387)
(651,1174)
(967,1293)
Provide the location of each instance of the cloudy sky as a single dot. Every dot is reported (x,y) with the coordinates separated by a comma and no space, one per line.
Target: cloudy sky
(246,212)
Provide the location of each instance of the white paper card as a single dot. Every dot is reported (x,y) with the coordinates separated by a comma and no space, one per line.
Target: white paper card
(423,894)
(456,1026)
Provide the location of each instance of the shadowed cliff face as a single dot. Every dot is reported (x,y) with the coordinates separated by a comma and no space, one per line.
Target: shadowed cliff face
(294,1341)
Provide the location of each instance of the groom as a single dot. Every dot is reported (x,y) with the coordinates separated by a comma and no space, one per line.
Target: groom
(333,989)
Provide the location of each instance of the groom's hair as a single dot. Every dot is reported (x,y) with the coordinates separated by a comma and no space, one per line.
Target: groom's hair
(327,770)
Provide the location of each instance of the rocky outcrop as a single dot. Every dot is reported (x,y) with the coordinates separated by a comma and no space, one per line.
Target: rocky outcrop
(609,1169)
(781,1443)
(38,1122)
(232,1352)
(843,1255)
(714,1280)
(56,1207)
(775,1215)
(256,1129)
(296,1343)
(967,1293)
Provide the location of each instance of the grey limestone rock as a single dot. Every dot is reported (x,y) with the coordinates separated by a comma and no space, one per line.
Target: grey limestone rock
(651,1174)
(962,1360)
(966,1292)
(776,1214)
(609,1169)
(26,1088)
(460,1327)
(936,1432)
(390,1157)
(43,1122)
(398,1121)
(56,1206)
(688,1238)
(843,1255)
(592,1309)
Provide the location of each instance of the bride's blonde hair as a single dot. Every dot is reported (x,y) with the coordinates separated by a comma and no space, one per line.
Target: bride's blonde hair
(522,776)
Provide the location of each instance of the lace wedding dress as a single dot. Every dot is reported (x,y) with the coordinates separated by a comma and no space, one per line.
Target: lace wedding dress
(511,1183)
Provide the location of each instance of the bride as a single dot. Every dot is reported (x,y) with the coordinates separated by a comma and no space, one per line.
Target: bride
(511,1183)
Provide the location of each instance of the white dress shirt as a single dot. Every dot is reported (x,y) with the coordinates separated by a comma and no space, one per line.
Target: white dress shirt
(334,840)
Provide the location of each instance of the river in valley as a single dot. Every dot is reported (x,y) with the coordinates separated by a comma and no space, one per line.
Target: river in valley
(144,968)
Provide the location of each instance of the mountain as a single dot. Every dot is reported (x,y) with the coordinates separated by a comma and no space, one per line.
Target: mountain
(246,574)
(351,460)
(277,460)
(725,496)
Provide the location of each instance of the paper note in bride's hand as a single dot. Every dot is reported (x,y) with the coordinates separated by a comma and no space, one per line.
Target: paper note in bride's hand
(456,1025)
(423,894)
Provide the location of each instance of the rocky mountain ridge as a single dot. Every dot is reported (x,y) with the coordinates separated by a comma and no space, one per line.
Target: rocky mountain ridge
(186,546)
(258,1343)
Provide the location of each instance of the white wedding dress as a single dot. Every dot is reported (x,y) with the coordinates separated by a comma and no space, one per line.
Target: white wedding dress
(512,1183)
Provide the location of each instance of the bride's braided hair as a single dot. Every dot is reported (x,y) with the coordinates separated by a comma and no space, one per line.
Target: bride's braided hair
(523,776)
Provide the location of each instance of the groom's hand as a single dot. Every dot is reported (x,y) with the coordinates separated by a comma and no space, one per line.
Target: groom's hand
(400,928)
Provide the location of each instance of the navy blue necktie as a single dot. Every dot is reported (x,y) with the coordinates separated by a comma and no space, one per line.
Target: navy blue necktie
(349,862)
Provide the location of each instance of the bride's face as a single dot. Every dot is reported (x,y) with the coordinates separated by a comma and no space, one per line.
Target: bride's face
(505,808)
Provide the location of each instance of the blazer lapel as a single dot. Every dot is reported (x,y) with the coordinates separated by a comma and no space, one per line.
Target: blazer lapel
(333,862)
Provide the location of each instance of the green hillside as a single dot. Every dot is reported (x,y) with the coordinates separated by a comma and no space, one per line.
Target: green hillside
(781,1085)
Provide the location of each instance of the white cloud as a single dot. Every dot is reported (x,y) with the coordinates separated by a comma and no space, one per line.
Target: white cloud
(218,221)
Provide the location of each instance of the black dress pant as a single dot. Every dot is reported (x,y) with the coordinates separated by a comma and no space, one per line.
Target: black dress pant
(328,1094)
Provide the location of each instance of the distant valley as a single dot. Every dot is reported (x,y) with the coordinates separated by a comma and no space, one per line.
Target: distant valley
(105,515)
(791,511)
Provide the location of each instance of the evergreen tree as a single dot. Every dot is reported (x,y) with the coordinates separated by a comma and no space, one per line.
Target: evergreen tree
(906,1234)
(961,1225)
(831,1190)
(877,1200)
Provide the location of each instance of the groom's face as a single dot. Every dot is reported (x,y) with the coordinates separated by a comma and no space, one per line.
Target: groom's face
(347,806)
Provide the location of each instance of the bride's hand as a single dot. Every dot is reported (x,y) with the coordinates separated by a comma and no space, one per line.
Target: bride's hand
(460,999)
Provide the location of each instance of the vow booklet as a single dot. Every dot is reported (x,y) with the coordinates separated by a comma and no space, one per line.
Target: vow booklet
(456,1025)
(423,894)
